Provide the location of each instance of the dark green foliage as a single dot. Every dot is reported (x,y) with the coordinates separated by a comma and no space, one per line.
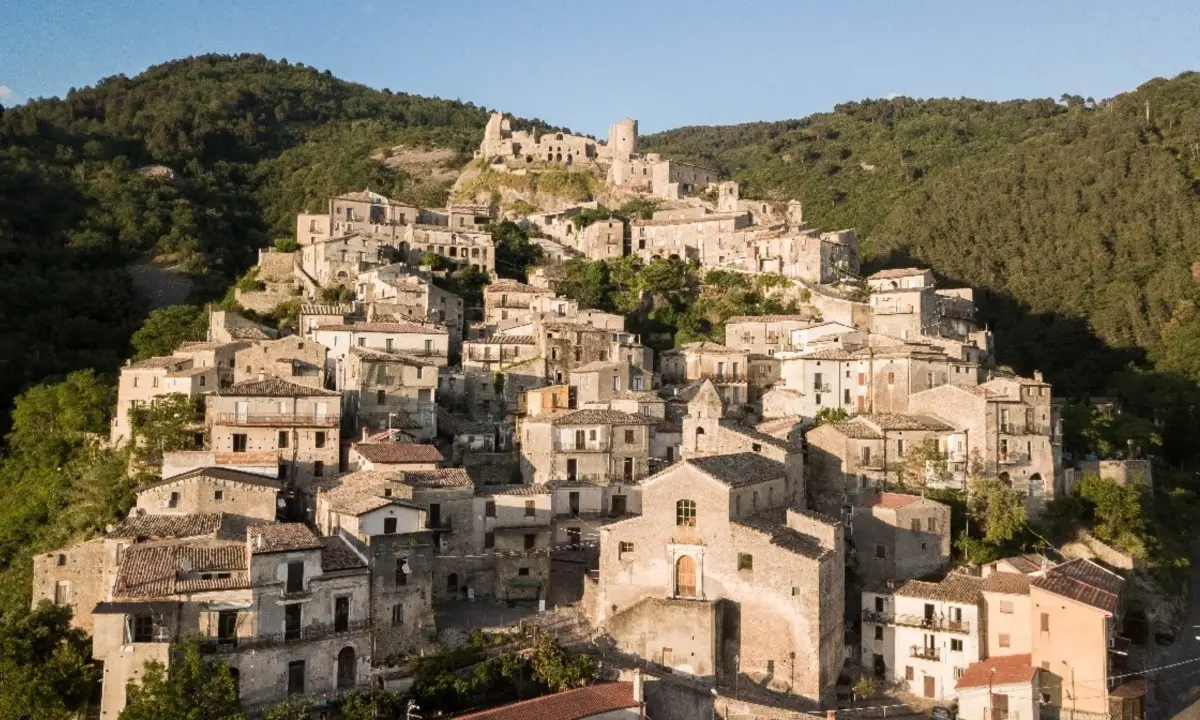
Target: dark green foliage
(335,294)
(587,216)
(166,328)
(46,669)
(171,423)
(830,415)
(194,688)
(514,252)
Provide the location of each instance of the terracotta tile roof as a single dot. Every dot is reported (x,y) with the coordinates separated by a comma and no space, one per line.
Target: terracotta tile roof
(159,363)
(157,527)
(705,346)
(488,490)
(189,372)
(320,309)
(442,477)
(202,345)
(273,387)
(509,340)
(392,453)
(1002,670)
(753,435)
(513,286)
(803,317)
(161,571)
(738,469)
(599,365)
(594,416)
(892,273)
(1028,563)
(955,587)
(1083,581)
(364,491)
(282,537)
(569,705)
(856,428)
(336,554)
(779,427)
(827,354)
(381,327)
(896,421)
(372,355)
(888,501)
(1007,583)
(773,524)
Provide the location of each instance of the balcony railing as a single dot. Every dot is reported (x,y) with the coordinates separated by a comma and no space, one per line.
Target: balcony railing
(821,388)
(291,420)
(924,653)
(938,624)
(1014,458)
(874,462)
(724,377)
(307,633)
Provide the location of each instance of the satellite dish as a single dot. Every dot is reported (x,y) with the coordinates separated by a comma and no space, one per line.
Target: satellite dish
(185,564)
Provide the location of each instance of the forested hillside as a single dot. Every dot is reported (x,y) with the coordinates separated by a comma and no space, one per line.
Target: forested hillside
(1077,219)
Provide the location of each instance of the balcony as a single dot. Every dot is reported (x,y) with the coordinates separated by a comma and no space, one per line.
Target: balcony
(935,624)
(438,524)
(723,377)
(292,420)
(874,462)
(587,446)
(924,653)
(308,633)
(1014,458)
(820,388)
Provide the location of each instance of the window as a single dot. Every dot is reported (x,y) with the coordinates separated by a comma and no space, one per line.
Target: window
(956,646)
(591,434)
(62,592)
(296,677)
(174,500)
(916,525)
(239,442)
(389,526)
(737,506)
(362,342)
(624,547)
(879,602)
(523,572)
(203,381)
(745,561)
(283,439)
(530,509)
(530,541)
(381,397)
(931,525)
(389,343)
(218,495)
(1045,622)
(958,672)
(1004,640)
(685,513)
(891,378)
(900,448)
(295,577)
(398,614)
(629,437)
(881,552)
(489,540)
(143,628)
(227,621)
(489,509)
(402,571)
(908,672)
(318,468)
(319,439)
(878,632)
(62,559)
(1006,607)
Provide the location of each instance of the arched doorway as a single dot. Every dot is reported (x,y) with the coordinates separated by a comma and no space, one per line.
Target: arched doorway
(345,668)
(1037,488)
(452,583)
(685,576)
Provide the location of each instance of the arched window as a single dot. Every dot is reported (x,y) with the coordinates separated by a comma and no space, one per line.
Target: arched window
(699,434)
(685,513)
(685,576)
(345,668)
(558,157)
(558,136)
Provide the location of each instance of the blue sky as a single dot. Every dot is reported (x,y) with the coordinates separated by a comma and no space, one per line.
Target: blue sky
(586,64)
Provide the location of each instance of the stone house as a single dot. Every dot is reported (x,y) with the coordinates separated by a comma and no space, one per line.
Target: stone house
(549,308)
(586,444)
(1009,431)
(178,462)
(764,334)
(582,507)
(142,382)
(900,279)
(367,503)
(602,240)
(339,260)
(219,355)
(801,254)
(686,238)
(555,224)
(293,358)
(394,456)
(567,346)
(315,315)
(923,635)
(427,342)
(213,490)
(507,303)
(600,381)
(851,459)
(227,327)
(459,246)
(503,146)
(365,212)
(301,425)
(719,577)
(727,368)
(401,291)
(899,537)
(513,531)
(379,387)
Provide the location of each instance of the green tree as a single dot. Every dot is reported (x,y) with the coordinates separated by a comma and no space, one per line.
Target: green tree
(997,507)
(556,668)
(165,329)
(587,283)
(286,244)
(166,425)
(435,262)
(514,251)
(830,415)
(1118,511)
(194,688)
(291,709)
(46,670)
(335,294)
(923,465)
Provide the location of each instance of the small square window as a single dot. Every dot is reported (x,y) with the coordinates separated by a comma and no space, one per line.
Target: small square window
(881,552)
(745,561)
(878,632)
(218,495)
(956,645)
(530,541)
(489,540)
(523,572)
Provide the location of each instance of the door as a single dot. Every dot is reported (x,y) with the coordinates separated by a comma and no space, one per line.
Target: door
(618,504)
(685,577)
(999,706)
(241,410)
(628,469)
(227,627)
(572,467)
(929,686)
(345,668)
(435,515)
(573,502)
(319,410)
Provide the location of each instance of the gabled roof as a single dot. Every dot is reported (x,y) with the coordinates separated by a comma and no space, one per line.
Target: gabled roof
(576,704)
(373,355)
(704,346)
(826,354)
(955,587)
(738,469)
(1001,670)
(282,537)
(753,435)
(273,387)
(1083,581)
(322,309)
(157,527)
(336,554)
(802,317)
(892,273)
(599,365)
(489,490)
(597,416)
(773,524)
(514,286)
(396,453)
(168,362)
(1007,583)
(384,327)
(218,473)
(161,571)
(888,500)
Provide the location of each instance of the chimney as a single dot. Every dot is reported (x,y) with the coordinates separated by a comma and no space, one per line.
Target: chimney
(366,433)
(1037,375)
(639,696)
(262,375)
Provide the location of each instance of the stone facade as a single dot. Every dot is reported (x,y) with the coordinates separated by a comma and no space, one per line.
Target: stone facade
(586,444)
(140,383)
(507,303)
(401,291)
(427,342)
(380,387)
(459,246)
(899,537)
(292,358)
(339,260)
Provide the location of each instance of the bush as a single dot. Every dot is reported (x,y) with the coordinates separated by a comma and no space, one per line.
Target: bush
(286,244)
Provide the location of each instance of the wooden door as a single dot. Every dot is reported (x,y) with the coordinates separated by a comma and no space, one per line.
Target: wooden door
(929,686)
(685,576)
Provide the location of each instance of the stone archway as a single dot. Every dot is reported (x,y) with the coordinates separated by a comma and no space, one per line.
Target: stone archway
(346,671)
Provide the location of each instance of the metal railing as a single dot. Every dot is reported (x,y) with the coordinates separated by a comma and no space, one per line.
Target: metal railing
(1014,458)
(723,377)
(924,653)
(294,419)
(306,633)
(821,388)
(940,624)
